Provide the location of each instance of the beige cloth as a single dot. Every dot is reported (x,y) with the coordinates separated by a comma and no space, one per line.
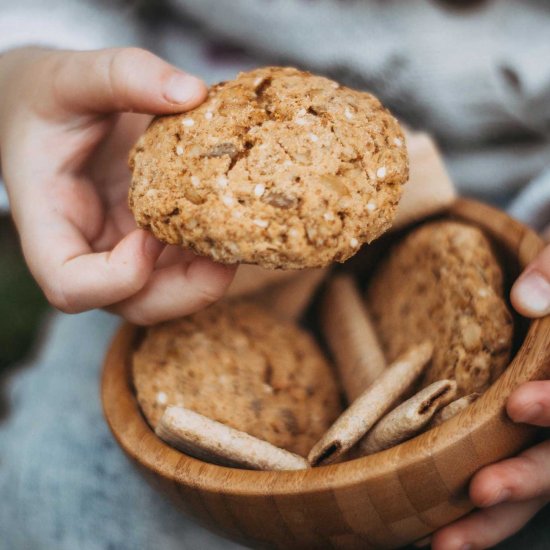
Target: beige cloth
(429,189)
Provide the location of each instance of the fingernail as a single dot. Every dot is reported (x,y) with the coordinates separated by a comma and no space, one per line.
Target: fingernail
(501,496)
(182,88)
(533,292)
(528,413)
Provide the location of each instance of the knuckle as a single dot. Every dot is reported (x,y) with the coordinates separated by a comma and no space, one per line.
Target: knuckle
(515,470)
(139,316)
(125,59)
(515,406)
(119,61)
(133,280)
(61,300)
(209,294)
(55,66)
(534,465)
(123,64)
(132,54)
(524,474)
(542,262)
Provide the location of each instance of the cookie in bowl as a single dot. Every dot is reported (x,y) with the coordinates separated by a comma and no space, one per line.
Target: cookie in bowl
(237,364)
(444,282)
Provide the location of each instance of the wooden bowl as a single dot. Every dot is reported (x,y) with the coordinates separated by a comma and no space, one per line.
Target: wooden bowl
(381,501)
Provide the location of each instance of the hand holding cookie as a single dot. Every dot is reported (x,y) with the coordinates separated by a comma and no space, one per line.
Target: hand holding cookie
(64,145)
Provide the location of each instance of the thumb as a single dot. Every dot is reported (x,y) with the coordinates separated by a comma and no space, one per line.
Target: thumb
(531,292)
(122,79)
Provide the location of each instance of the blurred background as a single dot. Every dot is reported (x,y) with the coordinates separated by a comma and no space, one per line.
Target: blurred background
(22,304)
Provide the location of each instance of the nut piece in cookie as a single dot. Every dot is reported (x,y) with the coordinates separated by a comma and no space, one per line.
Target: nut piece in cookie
(236,363)
(443,282)
(279,168)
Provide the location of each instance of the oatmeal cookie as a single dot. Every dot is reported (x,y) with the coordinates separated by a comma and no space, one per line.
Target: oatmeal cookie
(236,363)
(279,168)
(443,282)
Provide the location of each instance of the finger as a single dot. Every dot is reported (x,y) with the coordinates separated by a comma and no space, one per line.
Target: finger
(57,227)
(174,255)
(118,221)
(108,238)
(531,292)
(122,79)
(109,169)
(530,403)
(524,477)
(96,280)
(177,290)
(251,278)
(74,279)
(485,528)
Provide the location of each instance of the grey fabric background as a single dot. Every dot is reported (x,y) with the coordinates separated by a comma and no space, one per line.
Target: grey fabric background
(65,483)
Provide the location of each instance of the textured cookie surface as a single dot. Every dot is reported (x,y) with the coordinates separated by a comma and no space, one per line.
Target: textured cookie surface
(444,283)
(236,364)
(279,168)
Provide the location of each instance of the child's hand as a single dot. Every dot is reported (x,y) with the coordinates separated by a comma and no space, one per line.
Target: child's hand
(511,492)
(64,147)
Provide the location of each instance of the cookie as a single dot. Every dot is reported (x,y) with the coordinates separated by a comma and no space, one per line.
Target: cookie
(239,365)
(204,438)
(278,168)
(409,418)
(389,388)
(443,282)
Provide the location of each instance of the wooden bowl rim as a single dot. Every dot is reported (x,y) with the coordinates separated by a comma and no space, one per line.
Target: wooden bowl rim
(139,442)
